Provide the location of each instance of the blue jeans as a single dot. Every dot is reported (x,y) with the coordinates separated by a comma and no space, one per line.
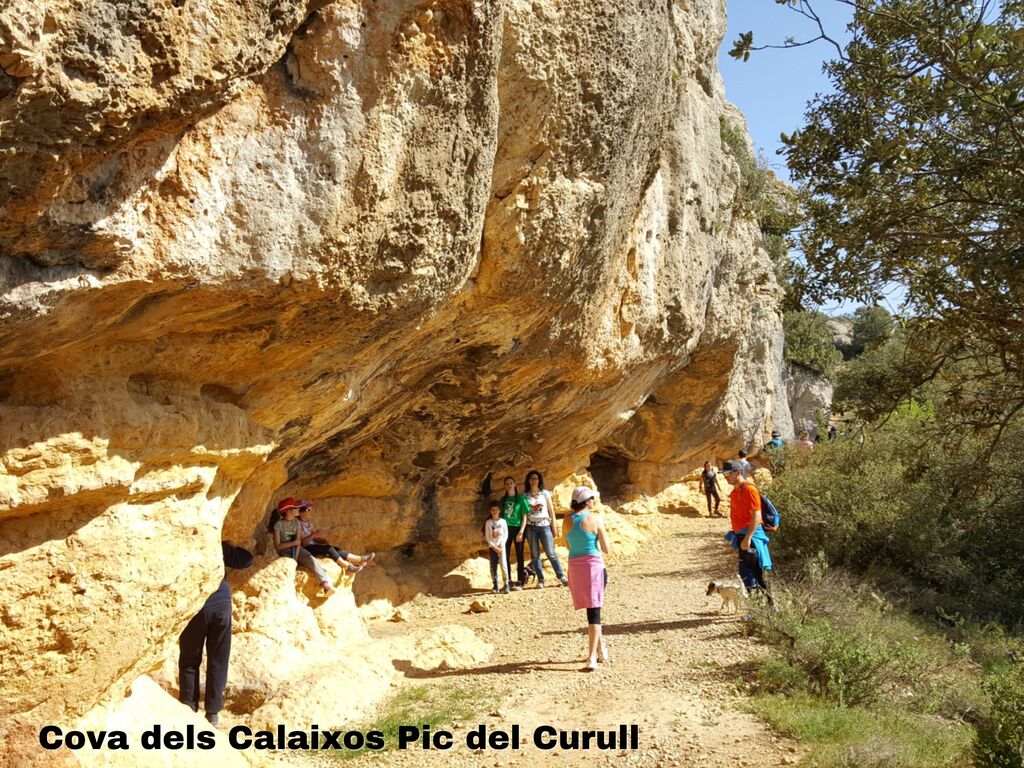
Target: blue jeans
(540,536)
(752,575)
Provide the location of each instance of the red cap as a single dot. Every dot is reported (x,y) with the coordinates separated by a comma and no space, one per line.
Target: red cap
(288,503)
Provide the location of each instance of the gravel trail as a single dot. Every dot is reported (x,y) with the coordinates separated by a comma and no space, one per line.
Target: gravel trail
(671,673)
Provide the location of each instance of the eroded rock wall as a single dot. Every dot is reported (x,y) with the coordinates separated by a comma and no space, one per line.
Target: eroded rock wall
(377,254)
(810,398)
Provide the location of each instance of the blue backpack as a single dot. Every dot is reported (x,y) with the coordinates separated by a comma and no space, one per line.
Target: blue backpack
(770,517)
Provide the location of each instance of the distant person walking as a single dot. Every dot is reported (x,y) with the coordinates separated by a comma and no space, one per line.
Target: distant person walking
(775,451)
(210,627)
(833,433)
(747,534)
(710,479)
(747,467)
(805,443)
(588,576)
(496,534)
(515,510)
(539,527)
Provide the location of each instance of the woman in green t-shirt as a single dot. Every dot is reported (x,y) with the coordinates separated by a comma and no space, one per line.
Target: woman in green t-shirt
(514,510)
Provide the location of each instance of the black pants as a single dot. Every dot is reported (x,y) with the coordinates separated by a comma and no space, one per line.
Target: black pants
(326,550)
(212,627)
(709,493)
(520,564)
(752,574)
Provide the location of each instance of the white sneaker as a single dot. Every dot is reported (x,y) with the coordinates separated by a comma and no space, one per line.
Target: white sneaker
(591,665)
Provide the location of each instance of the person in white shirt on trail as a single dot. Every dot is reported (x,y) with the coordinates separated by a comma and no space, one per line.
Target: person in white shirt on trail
(539,527)
(496,534)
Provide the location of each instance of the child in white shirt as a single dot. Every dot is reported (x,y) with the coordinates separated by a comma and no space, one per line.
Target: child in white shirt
(496,534)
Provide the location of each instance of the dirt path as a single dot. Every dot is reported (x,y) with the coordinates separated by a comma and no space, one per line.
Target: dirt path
(670,673)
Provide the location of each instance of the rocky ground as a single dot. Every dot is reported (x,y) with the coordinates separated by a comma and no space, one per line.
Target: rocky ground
(673,668)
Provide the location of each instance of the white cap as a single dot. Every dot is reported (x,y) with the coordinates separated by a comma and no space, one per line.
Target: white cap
(582,494)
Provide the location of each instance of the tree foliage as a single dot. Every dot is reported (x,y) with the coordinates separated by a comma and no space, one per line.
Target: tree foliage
(809,341)
(871,327)
(905,501)
(912,174)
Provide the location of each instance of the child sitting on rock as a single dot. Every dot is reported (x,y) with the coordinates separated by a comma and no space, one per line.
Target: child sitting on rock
(314,542)
(288,542)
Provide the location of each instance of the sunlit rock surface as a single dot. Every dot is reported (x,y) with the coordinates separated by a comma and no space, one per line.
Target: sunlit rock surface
(375,254)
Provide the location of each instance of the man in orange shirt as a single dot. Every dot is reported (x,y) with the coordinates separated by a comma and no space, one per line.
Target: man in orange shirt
(747,534)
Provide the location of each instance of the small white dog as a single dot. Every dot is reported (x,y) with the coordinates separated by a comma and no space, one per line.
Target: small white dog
(733,595)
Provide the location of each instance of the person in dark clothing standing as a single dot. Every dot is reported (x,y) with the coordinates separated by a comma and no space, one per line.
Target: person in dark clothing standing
(710,479)
(212,627)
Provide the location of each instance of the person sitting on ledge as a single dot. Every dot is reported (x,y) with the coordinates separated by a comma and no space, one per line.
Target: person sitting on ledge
(315,543)
(288,543)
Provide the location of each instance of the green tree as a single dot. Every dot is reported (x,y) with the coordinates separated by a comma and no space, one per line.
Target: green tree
(871,327)
(912,173)
(809,341)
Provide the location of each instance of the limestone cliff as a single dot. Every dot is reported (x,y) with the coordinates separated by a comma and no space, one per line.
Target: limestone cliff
(376,253)
(810,398)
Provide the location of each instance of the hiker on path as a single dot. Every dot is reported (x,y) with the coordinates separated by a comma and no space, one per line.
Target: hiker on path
(748,468)
(314,542)
(775,451)
(747,534)
(210,627)
(588,576)
(710,478)
(496,535)
(514,511)
(805,443)
(288,543)
(539,527)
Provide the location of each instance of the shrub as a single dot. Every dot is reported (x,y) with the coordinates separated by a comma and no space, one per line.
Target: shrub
(930,521)
(809,342)
(854,648)
(999,742)
(778,676)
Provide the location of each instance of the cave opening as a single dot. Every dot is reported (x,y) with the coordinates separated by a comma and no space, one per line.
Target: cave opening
(610,472)
(485,487)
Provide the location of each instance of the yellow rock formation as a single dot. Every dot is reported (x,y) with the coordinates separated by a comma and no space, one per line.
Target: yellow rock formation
(379,255)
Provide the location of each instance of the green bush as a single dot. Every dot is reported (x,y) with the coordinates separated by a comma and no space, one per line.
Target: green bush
(928,522)
(809,342)
(775,676)
(871,327)
(999,741)
(852,647)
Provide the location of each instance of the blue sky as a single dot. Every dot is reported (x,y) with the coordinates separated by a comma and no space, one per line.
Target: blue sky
(773,87)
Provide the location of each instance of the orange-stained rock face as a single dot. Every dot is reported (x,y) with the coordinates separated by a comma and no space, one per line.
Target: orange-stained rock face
(376,254)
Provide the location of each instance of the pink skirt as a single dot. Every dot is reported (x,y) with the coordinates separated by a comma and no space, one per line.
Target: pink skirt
(586,581)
